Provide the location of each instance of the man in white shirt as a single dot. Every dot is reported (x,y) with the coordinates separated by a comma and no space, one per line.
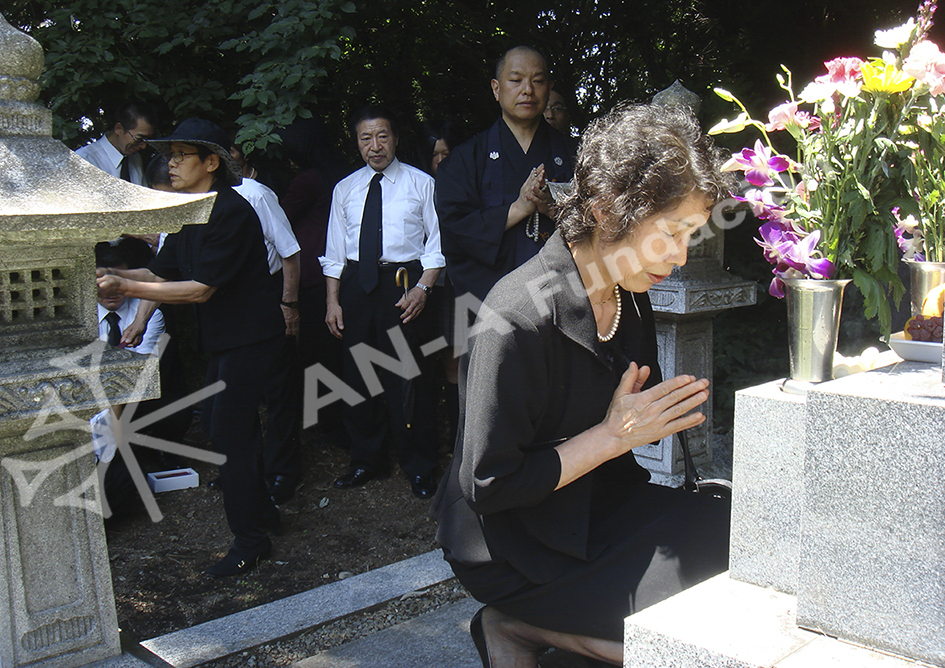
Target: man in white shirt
(124,314)
(393,203)
(117,151)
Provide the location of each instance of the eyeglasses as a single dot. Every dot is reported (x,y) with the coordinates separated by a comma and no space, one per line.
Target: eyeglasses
(177,157)
(137,139)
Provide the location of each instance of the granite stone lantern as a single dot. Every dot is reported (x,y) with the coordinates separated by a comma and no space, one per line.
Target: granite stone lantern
(684,305)
(57,607)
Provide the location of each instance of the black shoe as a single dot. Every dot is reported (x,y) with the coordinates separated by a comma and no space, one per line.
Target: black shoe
(357,477)
(422,486)
(283,489)
(479,638)
(238,563)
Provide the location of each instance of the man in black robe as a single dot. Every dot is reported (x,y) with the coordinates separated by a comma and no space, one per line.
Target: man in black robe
(489,189)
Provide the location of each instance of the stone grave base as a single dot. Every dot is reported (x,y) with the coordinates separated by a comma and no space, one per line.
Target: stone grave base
(724,623)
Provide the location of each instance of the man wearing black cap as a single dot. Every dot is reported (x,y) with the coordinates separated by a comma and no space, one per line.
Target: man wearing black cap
(221,267)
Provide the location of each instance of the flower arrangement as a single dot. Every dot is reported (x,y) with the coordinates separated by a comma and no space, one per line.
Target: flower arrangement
(868,161)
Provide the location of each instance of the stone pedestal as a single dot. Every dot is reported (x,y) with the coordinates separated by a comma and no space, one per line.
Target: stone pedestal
(54,616)
(872,557)
(767,486)
(684,305)
(57,608)
(56,604)
(837,497)
(723,623)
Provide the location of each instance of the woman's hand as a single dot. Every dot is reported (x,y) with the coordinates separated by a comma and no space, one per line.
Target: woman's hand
(637,417)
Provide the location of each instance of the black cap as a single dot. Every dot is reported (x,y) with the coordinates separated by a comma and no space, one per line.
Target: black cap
(206,133)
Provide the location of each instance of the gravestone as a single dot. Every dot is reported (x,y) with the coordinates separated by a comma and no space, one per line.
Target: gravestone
(57,608)
(838,544)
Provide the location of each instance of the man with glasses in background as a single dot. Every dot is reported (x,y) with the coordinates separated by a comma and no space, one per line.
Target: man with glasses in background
(117,151)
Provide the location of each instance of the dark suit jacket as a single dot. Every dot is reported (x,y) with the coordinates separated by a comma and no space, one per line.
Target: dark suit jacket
(537,376)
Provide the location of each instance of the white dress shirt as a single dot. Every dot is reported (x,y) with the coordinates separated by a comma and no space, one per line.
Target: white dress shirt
(410,230)
(277,230)
(126,315)
(106,157)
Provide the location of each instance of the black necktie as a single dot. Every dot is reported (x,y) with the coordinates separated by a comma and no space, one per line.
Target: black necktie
(369,242)
(126,168)
(114,334)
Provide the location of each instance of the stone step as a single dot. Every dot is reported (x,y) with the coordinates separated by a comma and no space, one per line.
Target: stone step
(439,638)
(295,614)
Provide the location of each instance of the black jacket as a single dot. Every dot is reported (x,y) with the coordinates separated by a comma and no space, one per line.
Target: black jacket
(478,249)
(536,376)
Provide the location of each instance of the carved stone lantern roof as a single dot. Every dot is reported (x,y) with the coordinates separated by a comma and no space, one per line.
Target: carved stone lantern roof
(49,195)
(54,207)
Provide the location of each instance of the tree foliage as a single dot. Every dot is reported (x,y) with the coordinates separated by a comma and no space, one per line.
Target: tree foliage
(258,64)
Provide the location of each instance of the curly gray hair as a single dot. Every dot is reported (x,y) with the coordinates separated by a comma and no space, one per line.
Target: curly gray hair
(634,162)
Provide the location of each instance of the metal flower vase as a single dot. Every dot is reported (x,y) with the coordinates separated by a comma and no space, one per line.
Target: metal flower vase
(813,312)
(923,277)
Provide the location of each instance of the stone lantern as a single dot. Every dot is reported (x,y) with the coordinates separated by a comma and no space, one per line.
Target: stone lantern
(684,305)
(57,608)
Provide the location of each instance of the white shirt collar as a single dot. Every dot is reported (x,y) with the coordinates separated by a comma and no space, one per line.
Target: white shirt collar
(390,172)
(114,155)
(122,311)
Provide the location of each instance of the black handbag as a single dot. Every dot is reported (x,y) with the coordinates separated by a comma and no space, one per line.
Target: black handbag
(717,487)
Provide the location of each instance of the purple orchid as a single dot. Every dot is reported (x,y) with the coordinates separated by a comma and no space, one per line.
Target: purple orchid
(909,237)
(776,241)
(792,255)
(759,164)
(802,258)
(763,205)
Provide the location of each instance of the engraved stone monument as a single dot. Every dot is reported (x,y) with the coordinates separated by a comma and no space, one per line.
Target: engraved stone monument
(57,608)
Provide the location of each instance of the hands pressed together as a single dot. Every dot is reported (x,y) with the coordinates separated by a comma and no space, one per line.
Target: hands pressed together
(535,192)
(636,416)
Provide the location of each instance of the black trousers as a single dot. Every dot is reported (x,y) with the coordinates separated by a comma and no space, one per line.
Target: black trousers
(283,393)
(367,320)
(317,345)
(231,420)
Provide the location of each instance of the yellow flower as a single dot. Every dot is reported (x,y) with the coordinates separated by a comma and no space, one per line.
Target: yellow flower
(880,77)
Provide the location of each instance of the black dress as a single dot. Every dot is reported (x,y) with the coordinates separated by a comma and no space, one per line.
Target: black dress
(581,558)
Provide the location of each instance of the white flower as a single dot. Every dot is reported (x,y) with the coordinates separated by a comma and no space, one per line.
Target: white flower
(816,91)
(895,37)
(726,126)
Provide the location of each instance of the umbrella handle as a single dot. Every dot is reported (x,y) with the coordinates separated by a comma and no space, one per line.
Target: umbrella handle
(402,280)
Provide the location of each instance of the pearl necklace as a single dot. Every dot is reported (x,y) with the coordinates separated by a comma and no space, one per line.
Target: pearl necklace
(613,328)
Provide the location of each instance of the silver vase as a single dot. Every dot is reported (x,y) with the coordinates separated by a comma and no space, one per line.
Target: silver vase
(923,276)
(813,312)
